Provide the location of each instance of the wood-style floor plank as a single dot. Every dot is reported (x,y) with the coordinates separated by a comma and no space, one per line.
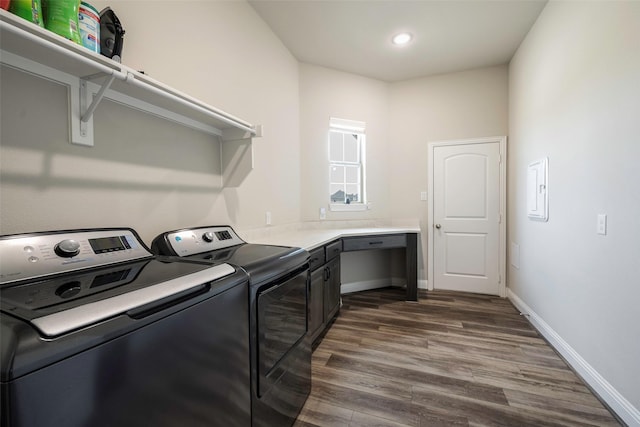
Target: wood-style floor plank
(453,359)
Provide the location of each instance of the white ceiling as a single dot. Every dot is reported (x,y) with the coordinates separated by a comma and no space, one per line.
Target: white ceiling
(355,36)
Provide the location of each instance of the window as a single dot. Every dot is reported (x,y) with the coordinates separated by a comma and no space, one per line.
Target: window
(347,189)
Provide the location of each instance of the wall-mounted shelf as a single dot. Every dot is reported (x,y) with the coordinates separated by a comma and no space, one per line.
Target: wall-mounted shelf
(92,77)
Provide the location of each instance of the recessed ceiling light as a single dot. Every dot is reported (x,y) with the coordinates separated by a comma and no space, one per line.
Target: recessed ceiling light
(402,39)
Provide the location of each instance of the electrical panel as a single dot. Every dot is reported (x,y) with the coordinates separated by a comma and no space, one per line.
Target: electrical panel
(538,190)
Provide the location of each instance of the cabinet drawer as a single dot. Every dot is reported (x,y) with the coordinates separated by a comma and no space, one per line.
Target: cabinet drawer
(333,249)
(316,258)
(374,242)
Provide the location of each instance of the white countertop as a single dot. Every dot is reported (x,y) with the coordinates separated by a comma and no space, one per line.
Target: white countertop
(313,238)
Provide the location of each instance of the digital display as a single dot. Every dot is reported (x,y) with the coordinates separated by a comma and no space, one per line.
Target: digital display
(105,279)
(223,235)
(107,244)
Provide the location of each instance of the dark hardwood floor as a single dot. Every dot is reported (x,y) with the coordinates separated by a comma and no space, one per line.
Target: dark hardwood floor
(453,359)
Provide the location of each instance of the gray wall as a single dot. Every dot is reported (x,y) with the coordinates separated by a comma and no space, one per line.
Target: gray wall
(574,96)
(468,104)
(326,93)
(144,172)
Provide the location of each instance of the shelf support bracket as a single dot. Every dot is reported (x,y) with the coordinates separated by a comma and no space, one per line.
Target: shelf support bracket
(85,95)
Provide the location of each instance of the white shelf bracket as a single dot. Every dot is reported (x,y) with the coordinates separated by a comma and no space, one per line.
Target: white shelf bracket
(85,97)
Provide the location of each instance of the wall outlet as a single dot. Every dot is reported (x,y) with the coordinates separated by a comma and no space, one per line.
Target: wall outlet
(267,217)
(323,213)
(602,224)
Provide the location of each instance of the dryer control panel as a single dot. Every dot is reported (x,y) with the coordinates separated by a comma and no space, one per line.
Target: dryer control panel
(193,241)
(34,255)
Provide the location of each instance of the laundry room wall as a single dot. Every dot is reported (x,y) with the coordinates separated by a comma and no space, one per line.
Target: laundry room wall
(574,97)
(402,117)
(327,93)
(145,172)
(462,105)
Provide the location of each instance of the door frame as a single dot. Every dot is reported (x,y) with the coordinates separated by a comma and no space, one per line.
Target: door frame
(502,238)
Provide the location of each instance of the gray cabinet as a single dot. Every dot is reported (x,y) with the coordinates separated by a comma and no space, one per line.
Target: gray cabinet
(409,241)
(324,287)
(316,303)
(324,262)
(332,288)
(375,242)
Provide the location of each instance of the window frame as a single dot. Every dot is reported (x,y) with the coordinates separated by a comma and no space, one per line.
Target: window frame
(356,128)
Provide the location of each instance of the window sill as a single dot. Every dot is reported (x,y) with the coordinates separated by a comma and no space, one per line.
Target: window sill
(343,207)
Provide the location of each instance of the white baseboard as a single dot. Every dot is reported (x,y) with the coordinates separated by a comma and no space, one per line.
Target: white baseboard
(365,285)
(621,406)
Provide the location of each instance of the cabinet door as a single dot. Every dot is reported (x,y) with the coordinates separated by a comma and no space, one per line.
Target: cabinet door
(332,288)
(316,302)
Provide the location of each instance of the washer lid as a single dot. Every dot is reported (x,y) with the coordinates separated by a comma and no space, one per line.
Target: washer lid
(72,301)
(261,262)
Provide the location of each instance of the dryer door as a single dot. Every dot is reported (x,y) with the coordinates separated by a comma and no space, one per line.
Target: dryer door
(282,322)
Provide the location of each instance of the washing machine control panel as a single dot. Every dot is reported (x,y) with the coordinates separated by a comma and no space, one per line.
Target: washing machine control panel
(202,239)
(36,255)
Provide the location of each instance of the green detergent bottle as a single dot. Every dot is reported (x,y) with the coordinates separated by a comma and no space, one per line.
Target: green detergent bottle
(31,10)
(61,17)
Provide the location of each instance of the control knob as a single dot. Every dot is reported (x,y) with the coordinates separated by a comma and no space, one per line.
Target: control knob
(67,248)
(208,237)
(69,290)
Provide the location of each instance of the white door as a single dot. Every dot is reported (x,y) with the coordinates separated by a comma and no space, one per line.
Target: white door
(466,217)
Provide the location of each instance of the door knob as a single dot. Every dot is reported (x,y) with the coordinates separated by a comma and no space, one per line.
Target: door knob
(438,226)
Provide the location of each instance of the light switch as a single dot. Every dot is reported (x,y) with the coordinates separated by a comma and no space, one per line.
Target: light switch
(602,224)
(423,195)
(267,218)
(323,213)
